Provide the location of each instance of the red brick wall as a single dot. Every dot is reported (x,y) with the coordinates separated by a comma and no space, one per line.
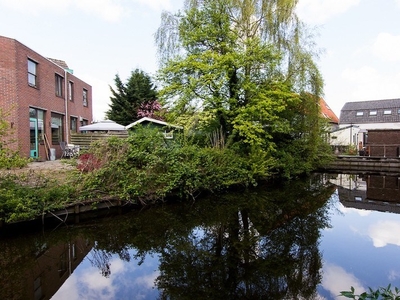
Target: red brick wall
(8,88)
(17,96)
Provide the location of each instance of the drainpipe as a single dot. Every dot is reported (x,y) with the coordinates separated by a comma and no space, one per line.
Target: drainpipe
(66,107)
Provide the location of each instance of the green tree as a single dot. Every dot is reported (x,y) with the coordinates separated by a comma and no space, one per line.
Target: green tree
(128,98)
(247,67)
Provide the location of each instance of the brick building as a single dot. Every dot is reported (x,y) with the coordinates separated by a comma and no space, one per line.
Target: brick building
(43,102)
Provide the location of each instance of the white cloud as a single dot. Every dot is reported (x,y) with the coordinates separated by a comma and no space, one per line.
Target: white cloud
(156,4)
(319,11)
(108,10)
(34,7)
(369,84)
(336,279)
(385,232)
(69,290)
(394,275)
(147,280)
(346,210)
(386,47)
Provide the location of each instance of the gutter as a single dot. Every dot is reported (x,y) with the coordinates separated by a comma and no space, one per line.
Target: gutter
(66,107)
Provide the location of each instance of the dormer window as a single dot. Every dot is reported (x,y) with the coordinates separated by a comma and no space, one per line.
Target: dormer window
(359,114)
(373,113)
(387,112)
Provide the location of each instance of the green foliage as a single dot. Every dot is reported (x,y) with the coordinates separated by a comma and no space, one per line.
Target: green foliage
(247,69)
(383,293)
(146,168)
(128,97)
(28,196)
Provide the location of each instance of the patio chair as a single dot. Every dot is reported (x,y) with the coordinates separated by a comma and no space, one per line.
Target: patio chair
(64,150)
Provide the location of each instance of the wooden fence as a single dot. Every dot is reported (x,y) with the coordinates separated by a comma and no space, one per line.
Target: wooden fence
(83,140)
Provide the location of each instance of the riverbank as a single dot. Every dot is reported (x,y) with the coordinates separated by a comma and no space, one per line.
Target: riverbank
(364,164)
(53,169)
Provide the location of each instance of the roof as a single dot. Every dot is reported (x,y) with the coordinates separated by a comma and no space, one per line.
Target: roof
(59,62)
(106,125)
(372,111)
(327,112)
(151,120)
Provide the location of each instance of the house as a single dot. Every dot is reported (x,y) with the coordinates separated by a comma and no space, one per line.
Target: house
(154,123)
(329,115)
(42,99)
(358,119)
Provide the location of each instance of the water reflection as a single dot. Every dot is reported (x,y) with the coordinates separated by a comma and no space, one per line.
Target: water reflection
(369,191)
(260,244)
(35,267)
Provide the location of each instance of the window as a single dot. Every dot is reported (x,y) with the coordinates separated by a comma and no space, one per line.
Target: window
(387,112)
(59,85)
(359,113)
(62,264)
(38,114)
(56,128)
(73,124)
(32,73)
(372,113)
(84,122)
(85,93)
(71,91)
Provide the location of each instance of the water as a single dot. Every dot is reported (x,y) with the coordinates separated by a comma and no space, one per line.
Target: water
(307,239)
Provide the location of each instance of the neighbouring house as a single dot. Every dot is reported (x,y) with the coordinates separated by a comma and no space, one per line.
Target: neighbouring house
(43,101)
(168,129)
(359,119)
(329,115)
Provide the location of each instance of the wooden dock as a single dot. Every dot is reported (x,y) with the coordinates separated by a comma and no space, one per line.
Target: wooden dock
(364,164)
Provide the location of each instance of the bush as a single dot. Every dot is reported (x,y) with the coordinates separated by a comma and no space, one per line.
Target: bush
(146,168)
(381,293)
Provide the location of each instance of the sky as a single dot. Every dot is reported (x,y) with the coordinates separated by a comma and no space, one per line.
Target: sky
(359,42)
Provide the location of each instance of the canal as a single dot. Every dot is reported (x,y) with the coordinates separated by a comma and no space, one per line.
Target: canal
(306,239)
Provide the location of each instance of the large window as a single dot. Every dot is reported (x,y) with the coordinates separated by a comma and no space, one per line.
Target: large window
(59,85)
(32,73)
(71,91)
(38,114)
(85,95)
(56,128)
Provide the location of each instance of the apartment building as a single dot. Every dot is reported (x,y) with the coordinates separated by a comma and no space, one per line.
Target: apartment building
(41,100)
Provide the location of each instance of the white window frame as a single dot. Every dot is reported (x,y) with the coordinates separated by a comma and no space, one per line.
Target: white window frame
(32,72)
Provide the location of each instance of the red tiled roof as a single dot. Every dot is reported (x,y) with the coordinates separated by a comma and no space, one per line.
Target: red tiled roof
(327,112)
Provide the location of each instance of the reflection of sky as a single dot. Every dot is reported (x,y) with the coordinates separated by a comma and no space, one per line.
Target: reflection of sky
(360,250)
(127,281)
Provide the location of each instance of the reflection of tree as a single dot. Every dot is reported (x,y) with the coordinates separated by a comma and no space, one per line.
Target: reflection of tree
(101,260)
(259,244)
(254,251)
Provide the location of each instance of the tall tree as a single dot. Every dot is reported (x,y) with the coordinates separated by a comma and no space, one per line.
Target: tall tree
(129,100)
(244,66)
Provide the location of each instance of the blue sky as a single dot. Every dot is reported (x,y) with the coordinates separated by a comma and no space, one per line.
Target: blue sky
(359,39)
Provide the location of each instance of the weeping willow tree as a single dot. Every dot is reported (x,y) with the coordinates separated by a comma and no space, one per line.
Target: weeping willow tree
(245,67)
